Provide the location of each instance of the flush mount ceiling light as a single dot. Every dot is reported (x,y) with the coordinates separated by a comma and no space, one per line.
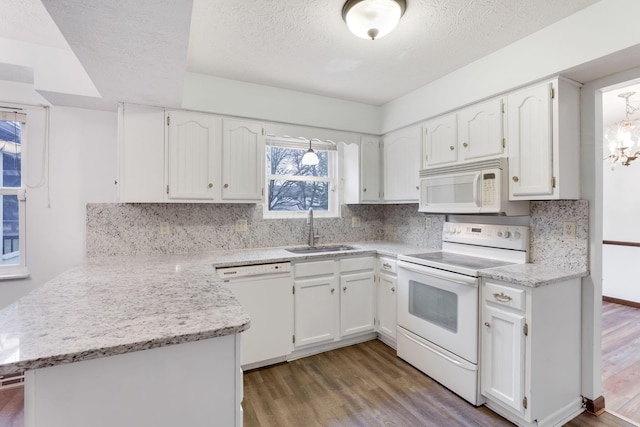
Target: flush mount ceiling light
(372,19)
(310,158)
(622,136)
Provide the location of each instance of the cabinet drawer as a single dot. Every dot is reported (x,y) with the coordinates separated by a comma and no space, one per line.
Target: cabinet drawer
(505,296)
(356,264)
(387,264)
(315,268)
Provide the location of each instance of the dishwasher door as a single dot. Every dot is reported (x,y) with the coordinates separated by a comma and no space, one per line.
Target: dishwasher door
(268,298)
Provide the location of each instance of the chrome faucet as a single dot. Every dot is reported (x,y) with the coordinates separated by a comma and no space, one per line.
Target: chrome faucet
(312,237)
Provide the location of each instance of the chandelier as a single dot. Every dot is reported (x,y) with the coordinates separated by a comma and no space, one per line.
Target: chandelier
(624,137)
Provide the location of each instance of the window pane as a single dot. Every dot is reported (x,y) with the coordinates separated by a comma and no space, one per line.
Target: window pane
(298,195)
(288,161)
(11,148)
(10,230)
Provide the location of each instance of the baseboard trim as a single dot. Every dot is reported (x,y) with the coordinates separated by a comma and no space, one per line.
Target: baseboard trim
(594,406)
(622,302)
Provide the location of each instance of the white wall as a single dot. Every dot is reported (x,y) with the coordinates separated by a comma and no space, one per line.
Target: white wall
(82,168)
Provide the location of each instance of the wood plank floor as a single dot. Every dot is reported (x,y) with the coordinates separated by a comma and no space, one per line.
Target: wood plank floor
(621,359)
(364,385)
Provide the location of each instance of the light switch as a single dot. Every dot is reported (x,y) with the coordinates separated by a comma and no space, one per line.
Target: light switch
(241,225)
(164,228)
(355,222)
(427,222)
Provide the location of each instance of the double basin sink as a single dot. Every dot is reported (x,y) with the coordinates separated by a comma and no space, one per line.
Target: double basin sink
(320,249)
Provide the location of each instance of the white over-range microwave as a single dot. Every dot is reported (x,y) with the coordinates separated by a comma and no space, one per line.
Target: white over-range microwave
(469,188)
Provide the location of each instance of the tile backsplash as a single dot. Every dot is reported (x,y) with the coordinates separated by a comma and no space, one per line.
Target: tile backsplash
(135,229)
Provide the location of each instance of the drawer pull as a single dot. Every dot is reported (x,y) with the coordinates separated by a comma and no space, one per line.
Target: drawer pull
(502,297)
(386,266)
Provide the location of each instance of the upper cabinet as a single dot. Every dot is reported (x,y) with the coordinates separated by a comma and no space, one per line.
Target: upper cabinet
(440,141)
(193,156)
(401,159)
(361,170)
(543,140)
(242,160)
(184,156)
(471,134)
(481,130)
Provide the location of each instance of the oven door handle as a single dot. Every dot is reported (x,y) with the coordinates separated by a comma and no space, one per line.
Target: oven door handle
(455,278)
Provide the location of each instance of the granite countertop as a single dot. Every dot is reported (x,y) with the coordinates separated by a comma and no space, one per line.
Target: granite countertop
(116,305)
(532,275)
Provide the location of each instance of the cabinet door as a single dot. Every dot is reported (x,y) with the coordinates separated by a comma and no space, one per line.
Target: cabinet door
(402,153)
(480,130)
(387,319)
(193,147)
(269,302)
(242,160)
(141,149)
(316,310)
(530,142)
(440,141)
(357,294)
(370,169)
(503,353)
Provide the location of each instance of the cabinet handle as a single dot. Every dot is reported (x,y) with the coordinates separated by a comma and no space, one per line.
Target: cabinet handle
(226,186)
(451,147)
(465,145)
(502,297)
(210,185)
(333,290)
(344,289)
(386,265)
(364,190)
(487,324)
(417,187)
(515,179)
(393,289)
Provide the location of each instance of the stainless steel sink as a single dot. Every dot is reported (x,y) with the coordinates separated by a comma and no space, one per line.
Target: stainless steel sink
(320,249)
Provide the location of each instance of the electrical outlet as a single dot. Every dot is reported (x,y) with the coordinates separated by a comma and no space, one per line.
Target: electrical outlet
(241,225)
(164,228)
(569,229)
(427,222)
(355,222)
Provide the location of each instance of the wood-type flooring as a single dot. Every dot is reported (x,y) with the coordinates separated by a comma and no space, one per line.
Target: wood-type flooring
(621,359)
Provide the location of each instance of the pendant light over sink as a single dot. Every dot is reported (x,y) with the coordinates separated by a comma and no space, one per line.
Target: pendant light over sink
(372,19)
(310,158)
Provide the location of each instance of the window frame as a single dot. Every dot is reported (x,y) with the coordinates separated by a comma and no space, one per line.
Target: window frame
(19,270)
(333,210)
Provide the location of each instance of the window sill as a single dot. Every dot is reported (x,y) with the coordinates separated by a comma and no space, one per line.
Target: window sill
(14,274)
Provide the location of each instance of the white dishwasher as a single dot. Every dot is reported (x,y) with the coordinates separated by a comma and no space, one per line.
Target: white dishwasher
(266,293)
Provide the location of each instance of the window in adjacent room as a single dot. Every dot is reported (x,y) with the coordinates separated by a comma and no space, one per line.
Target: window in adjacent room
(12,193)
(293,188)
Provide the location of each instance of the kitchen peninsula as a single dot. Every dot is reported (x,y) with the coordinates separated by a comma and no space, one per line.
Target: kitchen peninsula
(96,345)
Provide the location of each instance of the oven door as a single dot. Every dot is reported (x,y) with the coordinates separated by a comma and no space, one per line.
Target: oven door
(439,306)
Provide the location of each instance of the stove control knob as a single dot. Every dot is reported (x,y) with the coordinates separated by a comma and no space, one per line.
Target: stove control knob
(507,234)
(499,233)
(516,235)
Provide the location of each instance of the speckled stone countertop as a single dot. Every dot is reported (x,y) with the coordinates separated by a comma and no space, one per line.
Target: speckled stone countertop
(116,305)
(532,275)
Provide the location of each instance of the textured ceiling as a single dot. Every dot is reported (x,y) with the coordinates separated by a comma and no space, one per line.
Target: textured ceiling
(305,45)
(138,51)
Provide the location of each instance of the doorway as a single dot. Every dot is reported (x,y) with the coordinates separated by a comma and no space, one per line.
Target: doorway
(620,252)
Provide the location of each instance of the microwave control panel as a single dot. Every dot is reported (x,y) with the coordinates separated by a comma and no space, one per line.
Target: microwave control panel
(489,187)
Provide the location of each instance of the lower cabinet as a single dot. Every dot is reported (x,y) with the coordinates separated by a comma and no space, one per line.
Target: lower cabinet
(386,317)
(530,351)
(334,299)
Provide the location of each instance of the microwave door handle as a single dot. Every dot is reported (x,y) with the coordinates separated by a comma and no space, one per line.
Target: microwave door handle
(476,190)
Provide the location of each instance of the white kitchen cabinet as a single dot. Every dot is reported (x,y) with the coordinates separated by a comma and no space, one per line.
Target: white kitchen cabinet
(334,299)
(386,300)
(357,297)
(193,156)
(543,140)
(316,302)
(481,131)
(530,337)
(242,160)
(141,154)
(361,170)
(402,153)
(440,141)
